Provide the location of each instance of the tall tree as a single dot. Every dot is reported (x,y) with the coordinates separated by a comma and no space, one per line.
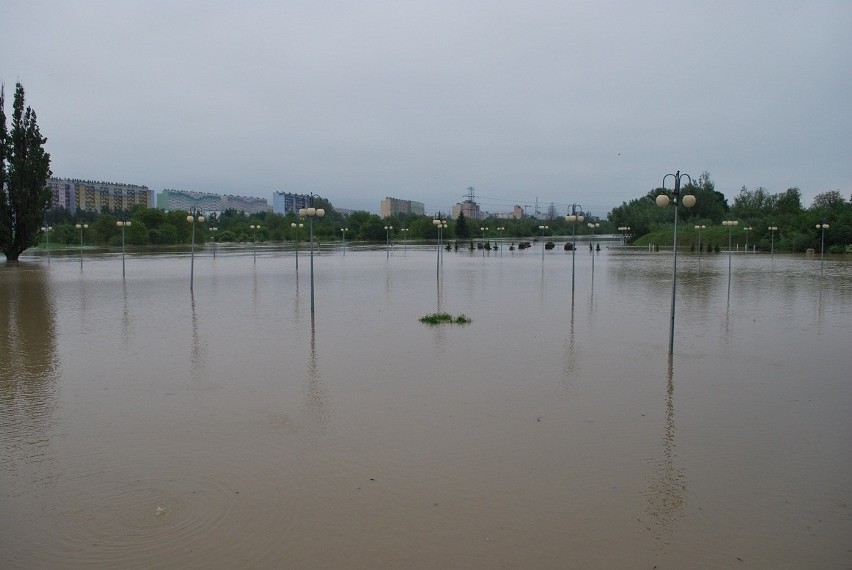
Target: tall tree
(24,170)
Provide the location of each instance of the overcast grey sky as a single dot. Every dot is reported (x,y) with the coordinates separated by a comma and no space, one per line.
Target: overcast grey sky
(556,101)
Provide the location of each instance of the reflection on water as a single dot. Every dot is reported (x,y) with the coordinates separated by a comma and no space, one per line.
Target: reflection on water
(28,372)
(541,435)
(667,487)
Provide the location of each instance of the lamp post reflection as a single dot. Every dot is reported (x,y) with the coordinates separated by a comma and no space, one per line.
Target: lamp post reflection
(81,227)
(123,225)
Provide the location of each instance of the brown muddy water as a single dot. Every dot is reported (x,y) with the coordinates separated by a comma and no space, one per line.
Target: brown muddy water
(144,426)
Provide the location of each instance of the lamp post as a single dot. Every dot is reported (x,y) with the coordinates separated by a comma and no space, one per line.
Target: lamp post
(387,240)
(440,225)
(623,229)
(81,227)
(593,227)
(699,228)
(772,230)
(123,225)
(213,231)
(296,228)
(746,230)
(483,230)
(312,213)
(254,228)
(662,201)
(501,229)
(730,224)
(541,234)
(404,241)
(822,226)
(344,239)
(573,218)
(46,230)
(192,218)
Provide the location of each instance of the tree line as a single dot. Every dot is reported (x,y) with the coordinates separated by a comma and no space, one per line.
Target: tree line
(756,209)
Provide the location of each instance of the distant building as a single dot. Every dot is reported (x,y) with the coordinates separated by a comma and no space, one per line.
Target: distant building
(470,210)
(87,195)
(170,199)
(394,206)
(283,202)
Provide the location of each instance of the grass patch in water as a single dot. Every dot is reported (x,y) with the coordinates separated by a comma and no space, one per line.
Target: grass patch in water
(440,318)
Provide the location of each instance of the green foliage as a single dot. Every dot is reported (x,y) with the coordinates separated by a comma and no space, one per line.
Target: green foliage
(445,318)
(24,170)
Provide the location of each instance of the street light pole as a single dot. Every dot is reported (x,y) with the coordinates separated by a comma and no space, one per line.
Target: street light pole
(662,201)
(81,227)
(297,228)
(192,218)
(730,225)
(123,225)
(574,217)
(541,234)
(404,240)
(46,230)
(501,229)
(822,226)
(746,230)
(387,240)
(440,225)
(312,212)
(772,230)
(213,235)
(344,239)
(699,228)
(592,226)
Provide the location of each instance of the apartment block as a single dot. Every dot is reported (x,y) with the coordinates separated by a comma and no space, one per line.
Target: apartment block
(88,195)
(394,206)
(283,202)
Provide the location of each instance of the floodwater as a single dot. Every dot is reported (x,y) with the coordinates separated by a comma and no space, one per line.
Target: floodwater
(147,426)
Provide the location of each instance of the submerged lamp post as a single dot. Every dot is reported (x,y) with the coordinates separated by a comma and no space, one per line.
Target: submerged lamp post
(730,224)
(441,225)
(123,225)
(312,213)
(772,230)
(254,229)
(344,239)
(541,230)
(192,218)
(573,218)
(46,230)
(623,229)
(662,201)
(501,229)
(593,227)
(404,240)
(213,236)
(388,230)
(746,230)
(296,227)
(81,227)
(699,228)
(823,226)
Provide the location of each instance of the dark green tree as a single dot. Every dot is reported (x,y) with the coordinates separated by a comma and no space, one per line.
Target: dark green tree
(24,170)
(462,231)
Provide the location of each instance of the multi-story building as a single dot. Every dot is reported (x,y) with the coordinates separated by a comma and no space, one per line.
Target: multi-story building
(206,202)
(88,195)
(470,210)
(394,206)
(283,202)
(186,200)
